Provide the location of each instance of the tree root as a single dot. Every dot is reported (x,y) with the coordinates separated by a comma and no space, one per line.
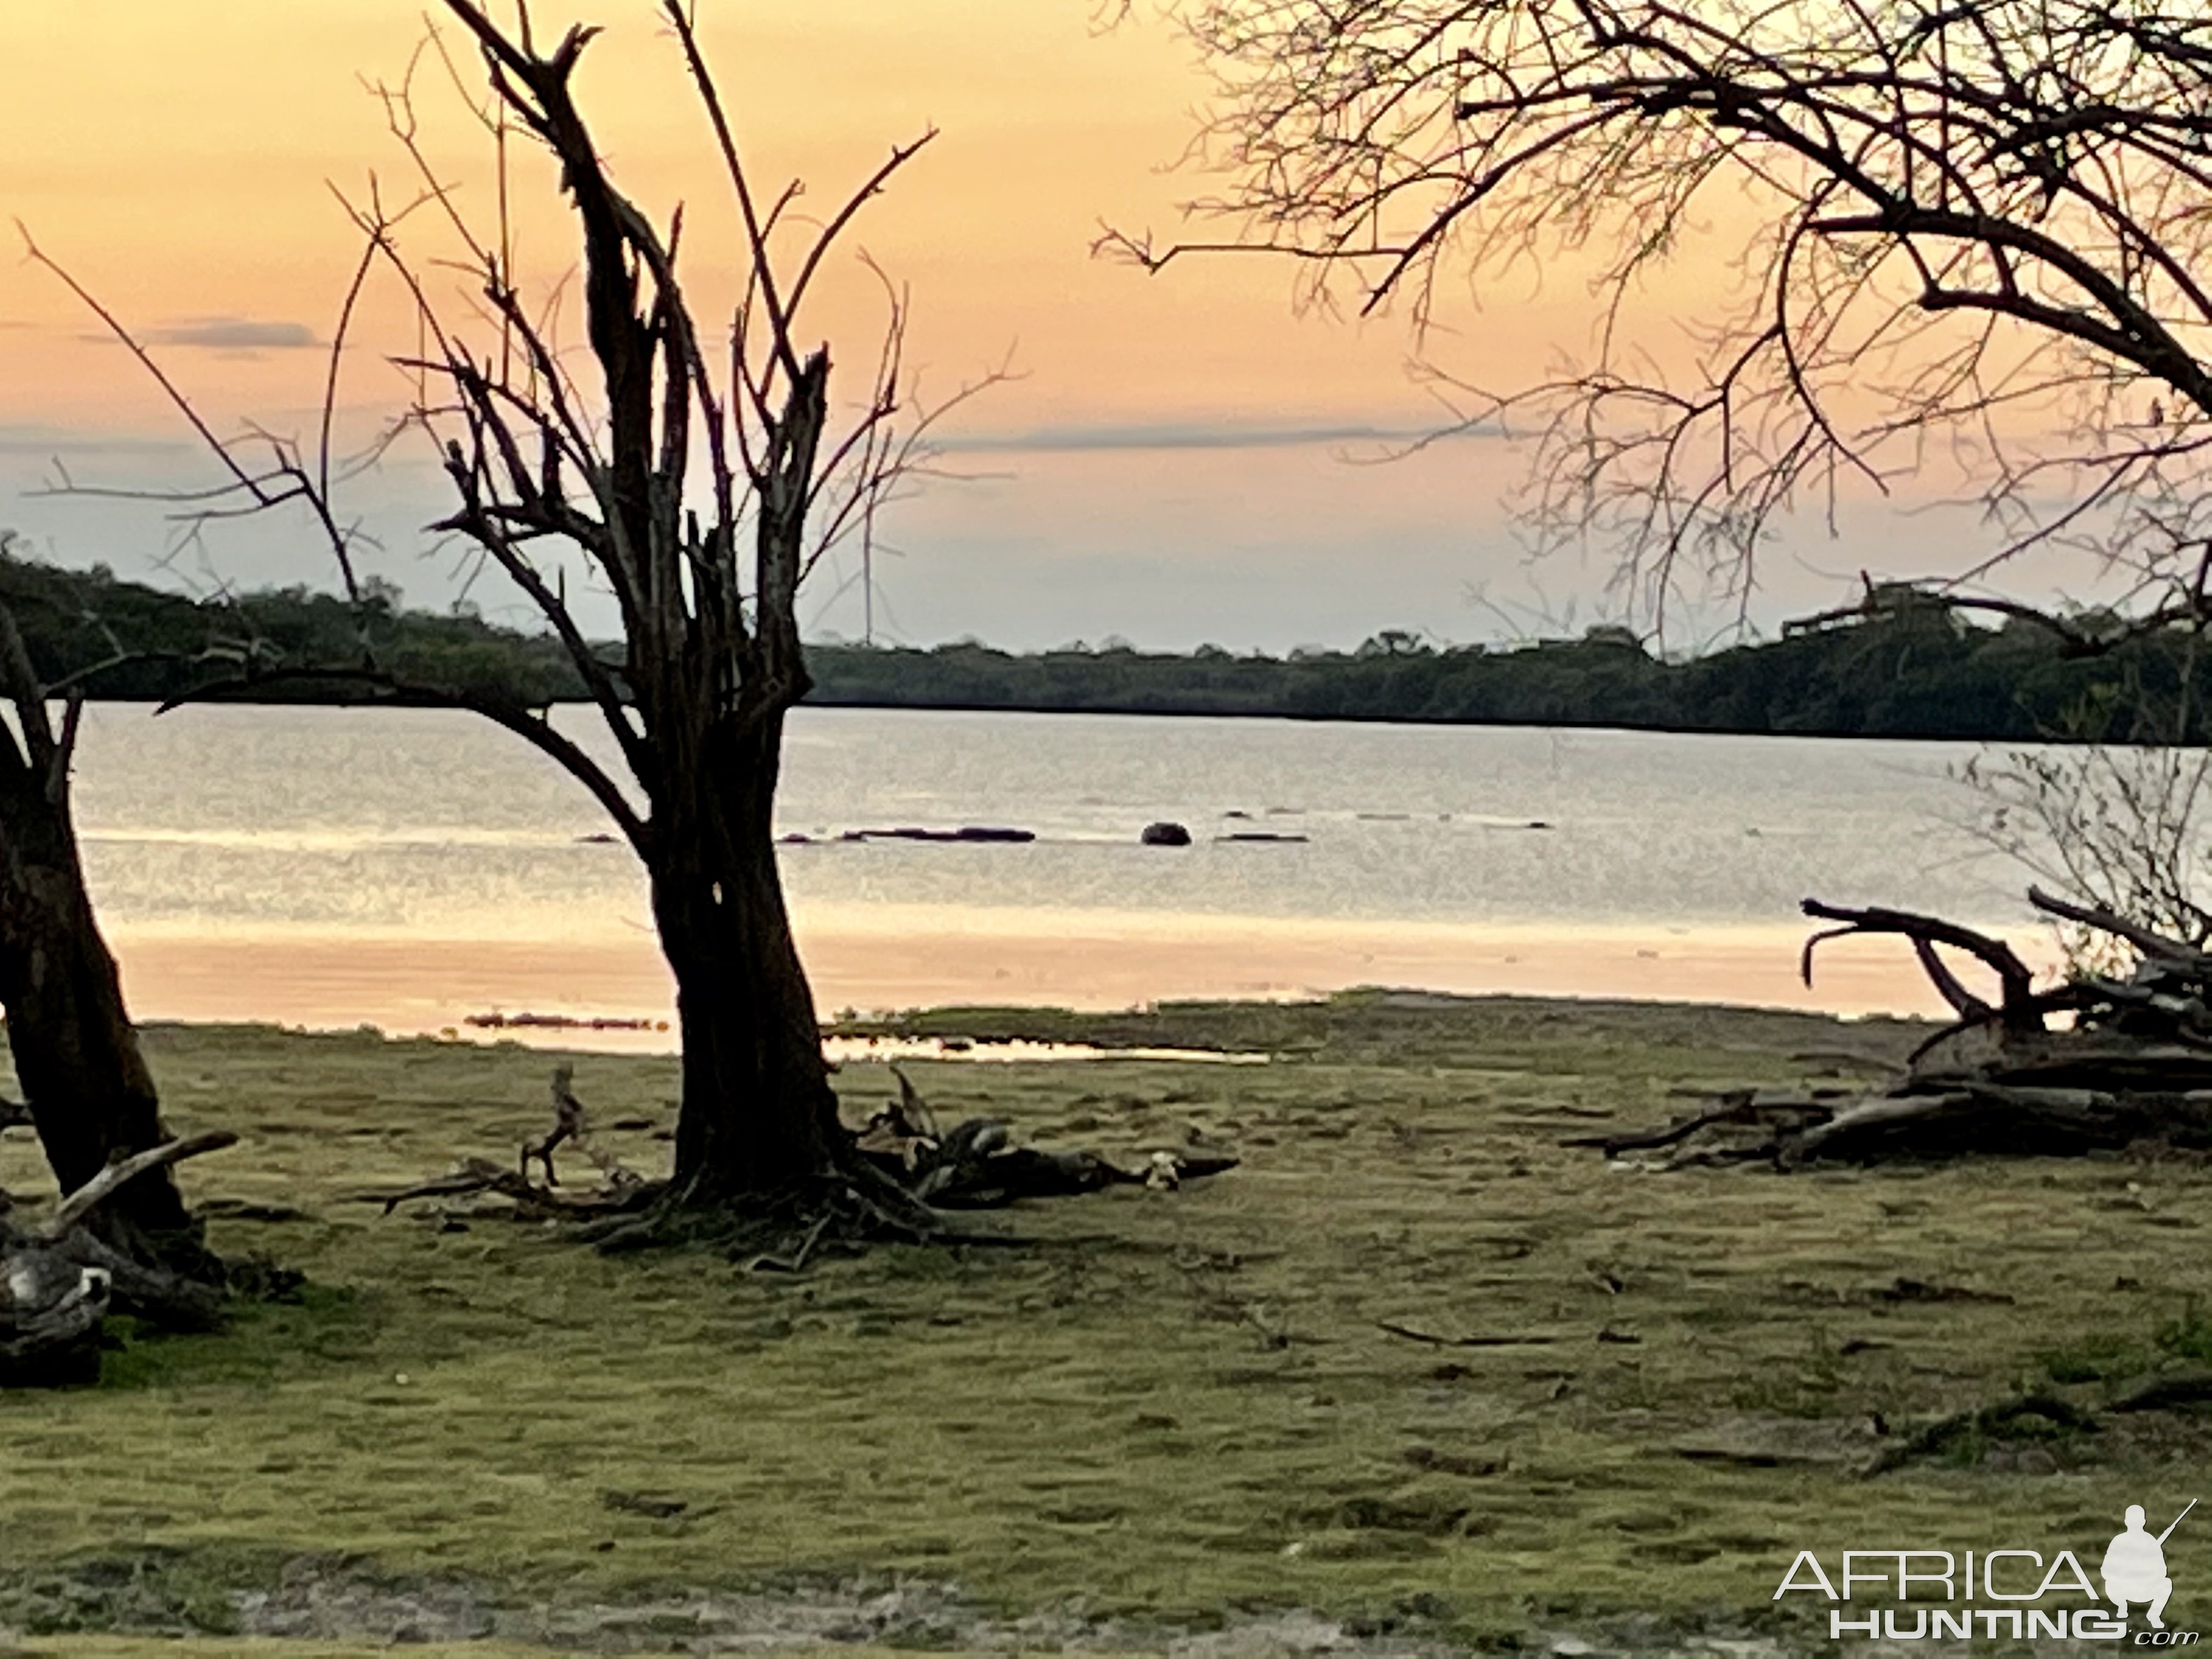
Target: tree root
(896,1179)
(534,1202)
(844,1210)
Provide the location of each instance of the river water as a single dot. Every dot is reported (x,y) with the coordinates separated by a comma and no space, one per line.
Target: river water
(409,868)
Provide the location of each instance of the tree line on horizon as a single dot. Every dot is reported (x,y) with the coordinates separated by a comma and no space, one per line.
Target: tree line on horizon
(1905,664)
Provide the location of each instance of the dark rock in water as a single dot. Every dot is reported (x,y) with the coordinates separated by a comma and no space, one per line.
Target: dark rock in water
(795,840)
(1234,813)
(1258,835)
(1164,834)
(597,838)
(1538,824)
(966,832)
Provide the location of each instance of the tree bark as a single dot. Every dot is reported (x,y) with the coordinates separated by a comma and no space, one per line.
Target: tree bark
(758,1118)
(77,1054)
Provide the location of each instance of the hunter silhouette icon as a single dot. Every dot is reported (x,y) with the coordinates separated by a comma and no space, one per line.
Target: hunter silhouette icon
(2134,1567)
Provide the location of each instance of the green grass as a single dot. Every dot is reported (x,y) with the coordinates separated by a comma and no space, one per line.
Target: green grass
(1174,1408)
(106,1646)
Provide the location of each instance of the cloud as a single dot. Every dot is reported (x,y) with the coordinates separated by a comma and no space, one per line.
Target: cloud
(26,438)
(229,334)
(1194,434)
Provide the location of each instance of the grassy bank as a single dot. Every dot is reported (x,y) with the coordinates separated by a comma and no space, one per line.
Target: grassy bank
(1173,1410)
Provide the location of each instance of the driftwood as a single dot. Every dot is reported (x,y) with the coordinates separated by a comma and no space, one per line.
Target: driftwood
(571,1123)
(620,1191)
(479,1177)
(2132,1071)
(973,1165)
(57,1280)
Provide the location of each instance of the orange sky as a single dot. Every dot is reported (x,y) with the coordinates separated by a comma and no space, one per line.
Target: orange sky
(1145,482)
(176,156)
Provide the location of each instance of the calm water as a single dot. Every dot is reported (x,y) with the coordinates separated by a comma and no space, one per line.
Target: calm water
(389,829)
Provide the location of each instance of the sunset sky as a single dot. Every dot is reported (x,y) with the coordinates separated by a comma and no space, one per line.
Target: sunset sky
(1184,458)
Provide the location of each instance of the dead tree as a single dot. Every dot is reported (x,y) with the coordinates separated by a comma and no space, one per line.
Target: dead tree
(698,475)
(2132,1070)
(89,1093)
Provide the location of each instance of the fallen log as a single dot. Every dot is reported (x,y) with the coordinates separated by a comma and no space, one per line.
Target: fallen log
(976,1165)
(97,1191)
(2035,1417)
(2026,1122)
(2133,1070)
(2154,947)
(1513,1339)
(58,1280)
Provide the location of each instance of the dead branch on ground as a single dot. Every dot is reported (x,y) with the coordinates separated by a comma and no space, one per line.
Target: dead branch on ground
(908,1161)
(57,1279)
(2133,1069)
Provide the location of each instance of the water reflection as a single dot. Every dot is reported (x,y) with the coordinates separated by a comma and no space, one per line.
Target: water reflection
(411,868)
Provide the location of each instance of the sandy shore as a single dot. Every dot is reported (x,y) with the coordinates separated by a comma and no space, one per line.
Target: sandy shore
(912,956)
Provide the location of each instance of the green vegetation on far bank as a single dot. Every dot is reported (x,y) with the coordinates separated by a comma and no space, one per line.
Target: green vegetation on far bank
(1170,1412)
(1910,669)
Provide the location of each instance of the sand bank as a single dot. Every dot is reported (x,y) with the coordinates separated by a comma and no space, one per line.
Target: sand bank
(904,957)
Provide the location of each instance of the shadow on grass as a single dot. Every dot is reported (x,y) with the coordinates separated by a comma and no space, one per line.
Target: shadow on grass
(320,1327)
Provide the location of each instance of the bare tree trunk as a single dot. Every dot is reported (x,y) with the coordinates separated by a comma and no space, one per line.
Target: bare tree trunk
(758,1117)
(77,1058)
(77,1054)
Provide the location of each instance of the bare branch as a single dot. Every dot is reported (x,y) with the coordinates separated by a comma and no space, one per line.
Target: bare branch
(1974,225)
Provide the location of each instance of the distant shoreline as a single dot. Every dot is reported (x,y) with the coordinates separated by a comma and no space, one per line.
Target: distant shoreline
(1121,711)
(1905,667)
